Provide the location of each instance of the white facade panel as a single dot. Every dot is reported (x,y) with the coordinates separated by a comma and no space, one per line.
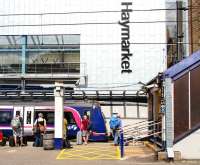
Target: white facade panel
(189,146)
(131,112)
(100,35)
(143,112)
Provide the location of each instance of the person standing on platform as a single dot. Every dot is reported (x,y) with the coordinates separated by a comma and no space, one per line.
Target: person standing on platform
(40,127)
(17,126)
(84,128)
(116,125)
(66,143)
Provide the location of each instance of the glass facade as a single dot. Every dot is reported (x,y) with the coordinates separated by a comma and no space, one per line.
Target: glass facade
(40,54)
(177,31)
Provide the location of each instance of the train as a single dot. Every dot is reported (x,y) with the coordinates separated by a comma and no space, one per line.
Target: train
(73,115)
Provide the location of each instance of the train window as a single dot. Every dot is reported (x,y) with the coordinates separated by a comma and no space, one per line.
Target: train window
(69,117)
(5,117)
(19,112)
(87,113)
(48,116)
(28,117)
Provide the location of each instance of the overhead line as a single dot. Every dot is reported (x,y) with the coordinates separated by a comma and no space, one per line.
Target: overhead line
(91,23)
(105,11)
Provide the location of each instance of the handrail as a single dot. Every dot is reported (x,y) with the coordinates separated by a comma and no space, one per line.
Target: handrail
(148,124)
(141,128)
(137,132)
(136,125)
(140,133)
(139,137)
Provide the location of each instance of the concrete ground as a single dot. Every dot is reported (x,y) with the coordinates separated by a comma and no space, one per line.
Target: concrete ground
(137,155)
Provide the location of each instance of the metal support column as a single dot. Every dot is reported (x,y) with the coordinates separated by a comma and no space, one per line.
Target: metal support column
(23,57)
(121,142)
(58,115)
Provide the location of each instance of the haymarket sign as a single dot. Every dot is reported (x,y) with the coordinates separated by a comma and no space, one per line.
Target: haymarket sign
(125,37)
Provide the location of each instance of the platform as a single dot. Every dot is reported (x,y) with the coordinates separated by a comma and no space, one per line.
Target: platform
(92,151)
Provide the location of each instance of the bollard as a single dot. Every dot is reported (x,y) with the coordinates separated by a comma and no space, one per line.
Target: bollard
(121,144)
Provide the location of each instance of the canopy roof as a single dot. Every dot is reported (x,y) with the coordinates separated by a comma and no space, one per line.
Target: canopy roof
(184,65)
(41,41)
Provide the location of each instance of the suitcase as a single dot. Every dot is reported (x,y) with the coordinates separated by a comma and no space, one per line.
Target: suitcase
(11,141)
(79,140)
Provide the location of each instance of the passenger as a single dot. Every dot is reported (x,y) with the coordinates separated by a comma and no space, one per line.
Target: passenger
(66,142)
(116,126)
(17,124)
(84,128)
(39,130)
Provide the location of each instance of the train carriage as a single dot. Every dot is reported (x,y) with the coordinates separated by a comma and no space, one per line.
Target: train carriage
(73,115)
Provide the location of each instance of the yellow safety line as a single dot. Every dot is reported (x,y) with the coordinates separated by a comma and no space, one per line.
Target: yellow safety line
(118,152)
(59,155)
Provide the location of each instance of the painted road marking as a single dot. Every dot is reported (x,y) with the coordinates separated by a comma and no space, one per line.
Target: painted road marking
(90,153)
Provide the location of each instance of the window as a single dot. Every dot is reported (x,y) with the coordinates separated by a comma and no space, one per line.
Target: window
(48,116)
(5,117)
(19,112)
(69,117)
(87,112)
(28,117)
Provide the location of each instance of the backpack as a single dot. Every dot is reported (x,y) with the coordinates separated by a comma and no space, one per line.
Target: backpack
(15,123)
(114,123)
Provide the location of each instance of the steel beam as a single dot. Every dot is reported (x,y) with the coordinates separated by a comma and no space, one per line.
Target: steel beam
(23,57)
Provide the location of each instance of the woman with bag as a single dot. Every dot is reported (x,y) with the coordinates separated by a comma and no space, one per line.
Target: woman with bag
(39,130)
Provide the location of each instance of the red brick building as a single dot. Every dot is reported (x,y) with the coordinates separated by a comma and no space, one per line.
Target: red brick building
(194,25)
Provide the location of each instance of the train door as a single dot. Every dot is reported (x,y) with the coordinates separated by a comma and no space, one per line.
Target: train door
(72,127)
(20,110)
(28,120)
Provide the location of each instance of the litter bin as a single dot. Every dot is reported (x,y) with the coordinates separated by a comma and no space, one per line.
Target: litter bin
(48,141)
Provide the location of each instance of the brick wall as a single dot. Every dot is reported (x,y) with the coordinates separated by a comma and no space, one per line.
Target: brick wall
(194,17)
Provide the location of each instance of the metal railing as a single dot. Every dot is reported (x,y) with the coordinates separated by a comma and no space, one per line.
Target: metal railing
(141,130)
(138,131)
(46,68)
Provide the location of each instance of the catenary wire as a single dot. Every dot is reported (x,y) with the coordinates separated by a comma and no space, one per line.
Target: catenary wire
(105,11)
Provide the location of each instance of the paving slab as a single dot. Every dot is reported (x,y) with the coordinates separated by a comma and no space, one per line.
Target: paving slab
(37,156)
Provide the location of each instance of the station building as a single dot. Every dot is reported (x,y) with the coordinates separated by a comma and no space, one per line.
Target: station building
(102,48)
